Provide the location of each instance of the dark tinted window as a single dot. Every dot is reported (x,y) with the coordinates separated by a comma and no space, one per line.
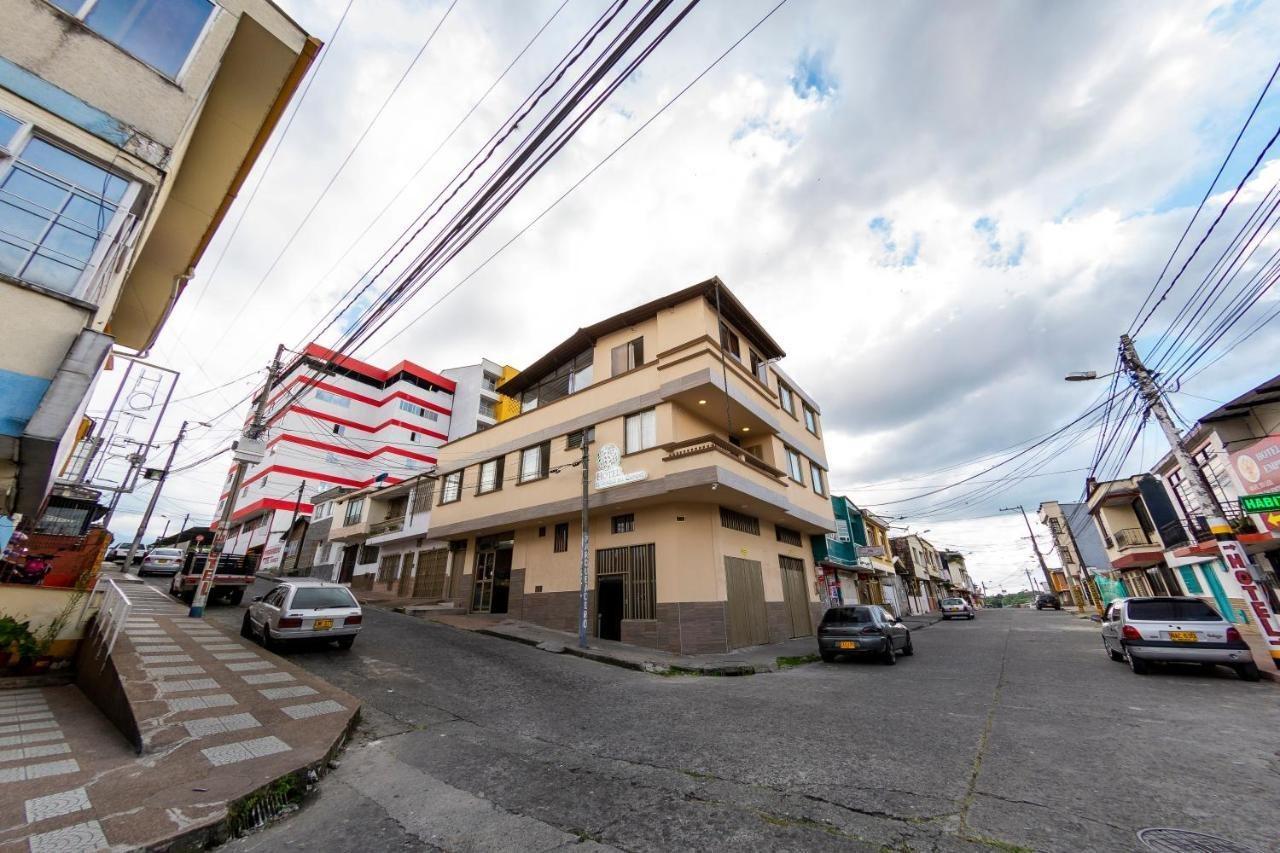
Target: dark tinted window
(848,616)
(319,598)
(1172,610)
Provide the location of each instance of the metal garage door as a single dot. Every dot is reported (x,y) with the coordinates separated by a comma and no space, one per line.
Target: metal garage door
(795,595)
(748,620)
(431,573)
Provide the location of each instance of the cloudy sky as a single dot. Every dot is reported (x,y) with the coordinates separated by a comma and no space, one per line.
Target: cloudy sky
(937,209)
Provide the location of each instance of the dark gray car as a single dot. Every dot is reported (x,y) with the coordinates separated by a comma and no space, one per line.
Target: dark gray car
(863,629)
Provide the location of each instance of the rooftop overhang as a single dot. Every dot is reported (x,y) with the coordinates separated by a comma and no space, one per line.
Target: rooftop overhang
(1254,543)
(730,308)
(257,78)
(1138,560)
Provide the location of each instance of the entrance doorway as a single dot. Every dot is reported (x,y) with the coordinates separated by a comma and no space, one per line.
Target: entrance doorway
(491,583)
(348,566)
(429,582)
(610,603)
(747,617)
(793,593)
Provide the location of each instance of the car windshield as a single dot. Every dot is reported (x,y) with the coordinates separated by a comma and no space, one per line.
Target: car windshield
(321,598)
(847,616)
(166,552)
(1172,610)
(953,601)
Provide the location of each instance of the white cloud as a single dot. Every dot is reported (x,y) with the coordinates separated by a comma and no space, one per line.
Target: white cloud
(1068,127)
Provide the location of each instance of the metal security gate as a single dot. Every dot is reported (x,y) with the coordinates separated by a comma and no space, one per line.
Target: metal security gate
(406,574)
(634,567)
(794,594)
(429,582)
(387,568)
(748,619)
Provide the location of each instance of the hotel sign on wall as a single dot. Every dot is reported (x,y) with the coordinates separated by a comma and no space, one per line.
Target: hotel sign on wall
(1257,468)
(609,471)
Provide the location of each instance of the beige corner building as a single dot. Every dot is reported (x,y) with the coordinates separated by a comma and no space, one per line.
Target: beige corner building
(706,477)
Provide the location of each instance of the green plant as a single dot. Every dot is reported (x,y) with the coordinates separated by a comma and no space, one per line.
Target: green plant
(16,638)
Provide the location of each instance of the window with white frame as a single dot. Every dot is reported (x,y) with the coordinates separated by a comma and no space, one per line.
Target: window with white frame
(535,462)
(810,419)
(819,481)
(794,468)
(786,399)
(58,212)
(452,489)
(490,476)
(161,33)
(641,431)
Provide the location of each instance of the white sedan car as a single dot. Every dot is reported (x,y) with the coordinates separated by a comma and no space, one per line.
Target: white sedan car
(956,608)
(303,610)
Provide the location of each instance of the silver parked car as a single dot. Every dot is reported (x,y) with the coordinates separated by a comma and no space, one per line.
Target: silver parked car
(956,608)
(161,561)
(303,610)
(1142,631)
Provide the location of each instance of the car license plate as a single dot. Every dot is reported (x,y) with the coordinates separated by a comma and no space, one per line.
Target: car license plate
(1183,636)
(322,624)
(847,644)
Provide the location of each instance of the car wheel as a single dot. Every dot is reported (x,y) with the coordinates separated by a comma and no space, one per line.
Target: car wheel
(1248,672)
(268,643)
(246,627)
(1138,665)
(1112,653)
(971,617)
(909,649)
(827,657)
(346,642)
(188,596)
(887,657)
(236,596)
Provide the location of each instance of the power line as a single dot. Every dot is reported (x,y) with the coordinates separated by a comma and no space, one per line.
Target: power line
(244,303)
(1208,192)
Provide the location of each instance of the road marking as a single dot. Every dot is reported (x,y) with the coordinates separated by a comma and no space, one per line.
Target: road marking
(56,805)
(39,771)
(288,692)
(41,751)
(82,836)
(267,678)
(245,750)
(199,703)
(218,725)
(312,709)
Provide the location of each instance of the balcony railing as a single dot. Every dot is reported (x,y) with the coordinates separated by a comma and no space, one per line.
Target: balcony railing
(716,444)
(1131,537)
(391,525)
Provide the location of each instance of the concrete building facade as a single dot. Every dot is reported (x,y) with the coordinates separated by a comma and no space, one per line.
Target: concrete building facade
(126,129)
(705,472)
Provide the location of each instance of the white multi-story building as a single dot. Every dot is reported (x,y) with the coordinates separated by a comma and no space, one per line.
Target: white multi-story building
(356,426)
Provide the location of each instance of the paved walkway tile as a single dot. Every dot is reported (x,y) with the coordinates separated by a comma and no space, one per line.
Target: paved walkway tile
(288,692)
(312,709)
(250,665)
(38,771)
(244,750)
(56,805)
(267,678)
(83,836)
(216,725)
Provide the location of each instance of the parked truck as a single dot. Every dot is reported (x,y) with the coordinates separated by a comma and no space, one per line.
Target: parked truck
(234,574)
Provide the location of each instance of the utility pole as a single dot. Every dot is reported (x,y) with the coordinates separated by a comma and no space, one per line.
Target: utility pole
(167,522)
(1233,555)
(1031,581)
(586,537)
(255,429)
(155,496)
(297,505)
(1035,546)
(135,461)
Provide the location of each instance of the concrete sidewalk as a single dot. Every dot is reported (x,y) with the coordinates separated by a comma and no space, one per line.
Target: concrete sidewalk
(747,661)
(209,732)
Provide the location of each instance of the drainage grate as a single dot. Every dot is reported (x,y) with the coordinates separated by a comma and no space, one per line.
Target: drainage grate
(1166,840)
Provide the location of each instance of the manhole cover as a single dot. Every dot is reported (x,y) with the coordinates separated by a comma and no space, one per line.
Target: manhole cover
(1166,840)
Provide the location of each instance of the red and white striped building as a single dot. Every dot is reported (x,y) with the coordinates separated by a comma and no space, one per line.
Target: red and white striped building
(358,424)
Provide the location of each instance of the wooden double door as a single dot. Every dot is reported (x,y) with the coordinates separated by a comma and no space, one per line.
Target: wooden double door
(748,614)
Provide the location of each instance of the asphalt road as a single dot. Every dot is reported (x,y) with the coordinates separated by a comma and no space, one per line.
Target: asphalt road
(1013,731)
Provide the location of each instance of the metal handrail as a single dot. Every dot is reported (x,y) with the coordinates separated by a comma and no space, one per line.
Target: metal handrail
(113,612)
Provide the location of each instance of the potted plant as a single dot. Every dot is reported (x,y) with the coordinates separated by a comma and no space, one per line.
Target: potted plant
(19,645)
